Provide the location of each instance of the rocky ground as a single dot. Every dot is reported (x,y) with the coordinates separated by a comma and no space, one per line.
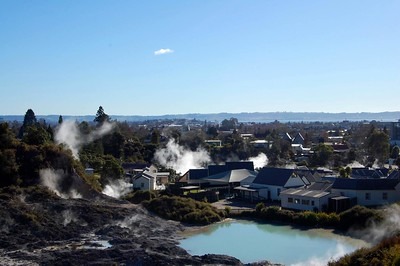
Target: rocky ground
(39,228)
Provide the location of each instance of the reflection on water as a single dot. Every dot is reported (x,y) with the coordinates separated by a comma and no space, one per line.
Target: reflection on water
(251,241)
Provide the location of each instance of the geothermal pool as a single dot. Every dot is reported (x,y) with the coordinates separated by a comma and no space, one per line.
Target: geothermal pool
(250,242)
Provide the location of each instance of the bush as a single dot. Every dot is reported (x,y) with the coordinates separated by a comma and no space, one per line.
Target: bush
(359,217)
(184,210)
(308,218)
(260,206)
(140,196)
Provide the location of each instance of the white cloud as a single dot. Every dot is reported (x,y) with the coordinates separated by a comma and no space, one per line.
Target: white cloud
(163,51)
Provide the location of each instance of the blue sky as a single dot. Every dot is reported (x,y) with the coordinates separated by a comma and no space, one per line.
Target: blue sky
(70,57)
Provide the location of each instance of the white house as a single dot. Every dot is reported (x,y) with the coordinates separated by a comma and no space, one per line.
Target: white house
(148,180)
(313,198)
(145,181)
(368,191)
(270,182)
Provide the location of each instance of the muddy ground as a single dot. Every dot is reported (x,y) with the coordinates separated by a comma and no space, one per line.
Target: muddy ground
(39,228)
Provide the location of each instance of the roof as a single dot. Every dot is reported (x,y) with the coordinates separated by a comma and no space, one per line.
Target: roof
(365,184)
(274,176)
(147,175)
(368,173)
(233,176)
(298,139)
(305,193)
(135,165)
(246,189)
(197,173)
(321,185)
(249,165)
(216,169)
(394,175)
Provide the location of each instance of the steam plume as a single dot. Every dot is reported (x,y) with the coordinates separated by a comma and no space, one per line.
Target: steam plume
(117,188)
(388,227)
(68,217)
(52,179)
(260,160)
(180,158)
(330,255)
(69,134)
(355,164)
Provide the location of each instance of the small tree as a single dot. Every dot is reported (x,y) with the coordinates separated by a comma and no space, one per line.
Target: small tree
(378,146)
(395,152)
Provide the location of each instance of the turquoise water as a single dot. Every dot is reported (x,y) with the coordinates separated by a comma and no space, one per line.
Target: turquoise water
(251,242)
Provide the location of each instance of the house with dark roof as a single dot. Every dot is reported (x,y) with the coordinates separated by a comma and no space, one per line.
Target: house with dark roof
(218,172)
(368,191)
(298,139)
(270,182)
(369,173)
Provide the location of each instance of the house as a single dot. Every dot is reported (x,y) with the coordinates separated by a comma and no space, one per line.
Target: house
(261,143)
(269,183)
(213,142)
(201,176)
(369,173)
(136,168)
(234,178)
(144,181)
(368,191)
(150,179)
(298,139)
(313,198)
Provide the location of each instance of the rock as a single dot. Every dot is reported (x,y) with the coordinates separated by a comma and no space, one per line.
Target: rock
(46,230)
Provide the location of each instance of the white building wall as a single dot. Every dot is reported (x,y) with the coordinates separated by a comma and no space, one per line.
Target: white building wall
(144,183)
(375,197)
(299,204)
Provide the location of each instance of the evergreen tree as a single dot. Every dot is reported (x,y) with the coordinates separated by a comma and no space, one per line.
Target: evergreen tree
(101,116)
(60,119)
(29,120)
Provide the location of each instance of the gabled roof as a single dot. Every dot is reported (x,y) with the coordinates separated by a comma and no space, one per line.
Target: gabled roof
(368,173)
(287,137)
(394,175)
(146,174)
(298,139)
(274,176)
(365,184)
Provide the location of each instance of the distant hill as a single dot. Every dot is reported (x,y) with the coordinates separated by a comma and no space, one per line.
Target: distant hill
(242,117)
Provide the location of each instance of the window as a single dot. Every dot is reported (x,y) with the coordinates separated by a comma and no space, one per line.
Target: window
(297,201)
(290,200)
(142,185)
(384,195)
(312,203)
(305,202)
(367,196)
(278,191)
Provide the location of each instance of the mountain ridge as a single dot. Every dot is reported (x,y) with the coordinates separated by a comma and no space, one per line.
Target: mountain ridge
(258,117)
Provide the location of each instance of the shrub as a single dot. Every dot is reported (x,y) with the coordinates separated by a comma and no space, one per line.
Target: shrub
(308,218)
(260,206)
(184,210)
(358,217)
